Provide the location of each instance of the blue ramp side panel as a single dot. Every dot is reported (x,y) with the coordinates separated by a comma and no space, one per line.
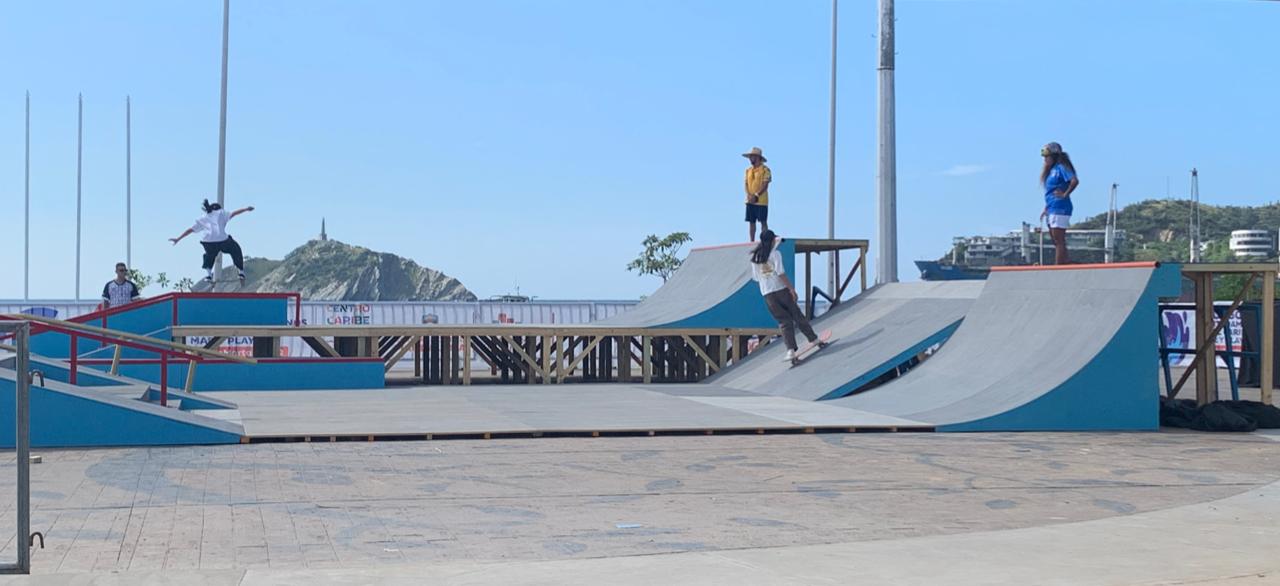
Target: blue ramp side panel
(744,308)
(61,419)
(233,311)
(857,383)
(1118,390)
(327,374)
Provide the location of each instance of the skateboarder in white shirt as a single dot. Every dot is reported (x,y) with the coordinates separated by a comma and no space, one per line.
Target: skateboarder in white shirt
(216,240)
(779,294)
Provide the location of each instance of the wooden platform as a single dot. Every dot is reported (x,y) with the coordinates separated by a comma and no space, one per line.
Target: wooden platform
(444,354)
(493,412)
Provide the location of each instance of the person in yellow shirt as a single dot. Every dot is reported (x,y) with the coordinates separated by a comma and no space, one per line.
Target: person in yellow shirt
(757,181)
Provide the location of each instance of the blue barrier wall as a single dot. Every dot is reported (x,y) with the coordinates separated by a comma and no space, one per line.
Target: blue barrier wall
(322,374)
(66,420)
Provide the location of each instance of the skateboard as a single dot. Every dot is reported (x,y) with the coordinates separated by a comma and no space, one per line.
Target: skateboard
(224,286)
(808,350)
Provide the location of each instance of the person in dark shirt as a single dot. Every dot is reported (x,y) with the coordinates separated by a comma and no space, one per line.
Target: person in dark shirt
(120,290)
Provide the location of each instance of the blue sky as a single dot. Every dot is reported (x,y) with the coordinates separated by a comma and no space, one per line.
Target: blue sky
(537,143)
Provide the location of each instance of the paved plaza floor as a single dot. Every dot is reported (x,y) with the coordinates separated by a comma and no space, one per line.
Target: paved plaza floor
(732,509)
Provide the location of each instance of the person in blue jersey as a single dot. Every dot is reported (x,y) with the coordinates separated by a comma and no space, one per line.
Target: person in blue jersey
(1058,176)
(780,295)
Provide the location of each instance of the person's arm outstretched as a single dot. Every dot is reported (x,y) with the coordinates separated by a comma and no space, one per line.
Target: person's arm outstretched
(240,211)
(188,232)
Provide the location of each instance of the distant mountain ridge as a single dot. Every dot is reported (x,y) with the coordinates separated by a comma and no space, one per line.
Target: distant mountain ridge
(329,270)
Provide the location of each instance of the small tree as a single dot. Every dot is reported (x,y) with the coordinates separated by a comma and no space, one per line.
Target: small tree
(659,256)
(139,279)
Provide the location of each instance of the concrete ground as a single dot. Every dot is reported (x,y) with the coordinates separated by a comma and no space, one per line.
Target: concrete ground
(927,508)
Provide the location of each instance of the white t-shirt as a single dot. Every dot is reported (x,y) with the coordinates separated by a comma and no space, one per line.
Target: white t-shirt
(770,274)
(214,225)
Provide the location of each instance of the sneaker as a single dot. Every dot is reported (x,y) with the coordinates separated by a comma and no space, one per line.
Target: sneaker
(241,278)
(791,354)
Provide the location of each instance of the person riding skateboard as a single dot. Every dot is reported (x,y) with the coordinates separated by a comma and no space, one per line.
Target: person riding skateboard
(779,294)
(216,240)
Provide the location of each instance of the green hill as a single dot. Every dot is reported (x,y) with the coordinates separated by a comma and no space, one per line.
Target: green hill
(1158,229)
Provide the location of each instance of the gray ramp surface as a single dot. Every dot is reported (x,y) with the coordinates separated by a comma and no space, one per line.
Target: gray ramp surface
(1025,335)
(706,278)
(871,334)
(503,409)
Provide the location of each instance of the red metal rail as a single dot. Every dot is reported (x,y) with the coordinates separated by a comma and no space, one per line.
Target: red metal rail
(38,327)
(173,298)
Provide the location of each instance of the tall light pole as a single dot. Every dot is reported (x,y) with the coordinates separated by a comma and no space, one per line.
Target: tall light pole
(79,166)
(832,277)
(222,126)
(26,214)
(886,176)
(128,183)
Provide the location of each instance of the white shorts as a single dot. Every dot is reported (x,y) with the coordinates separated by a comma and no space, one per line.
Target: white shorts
(1059,221)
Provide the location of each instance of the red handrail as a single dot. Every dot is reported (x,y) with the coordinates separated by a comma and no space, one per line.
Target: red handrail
(173,298)
(75,335)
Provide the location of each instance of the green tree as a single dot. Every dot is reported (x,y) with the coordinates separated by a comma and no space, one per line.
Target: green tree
(659,256)
(139,279)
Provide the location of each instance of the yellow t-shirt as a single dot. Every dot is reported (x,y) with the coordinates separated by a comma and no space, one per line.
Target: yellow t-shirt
(757,180)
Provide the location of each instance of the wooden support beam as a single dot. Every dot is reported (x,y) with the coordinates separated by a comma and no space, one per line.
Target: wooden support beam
(1267,347)
(856,265)
(115,359)
(213,342)
(466,360)
(1208,349)
(724,351)
(525,355)
(320,346)
(396,354)
(595,341)
(546,358)
(646,363)
(862,256)
(700,352)
(190,384)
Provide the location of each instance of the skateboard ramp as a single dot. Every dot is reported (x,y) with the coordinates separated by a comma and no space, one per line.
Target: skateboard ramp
(65,415)
(711,289)
(873,333)
(1069,349)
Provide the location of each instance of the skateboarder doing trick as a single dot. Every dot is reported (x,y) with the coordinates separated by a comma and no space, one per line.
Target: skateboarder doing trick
(216,240)
(779,294)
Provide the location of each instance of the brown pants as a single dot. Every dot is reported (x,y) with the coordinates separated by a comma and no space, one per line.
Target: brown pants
(784,309)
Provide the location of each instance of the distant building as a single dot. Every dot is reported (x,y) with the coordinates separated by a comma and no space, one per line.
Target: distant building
(1252,243)
(1022,246)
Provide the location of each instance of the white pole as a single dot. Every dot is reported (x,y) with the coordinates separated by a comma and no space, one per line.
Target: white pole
(887,261)
(26,222)
(833,281)
(79,166)
(128,182)
(222,125)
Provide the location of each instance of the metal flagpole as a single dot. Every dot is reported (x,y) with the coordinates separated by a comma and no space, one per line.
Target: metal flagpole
(887,261)
(26,221)
(79,166)
(832,277)
(222,126)
(128,182)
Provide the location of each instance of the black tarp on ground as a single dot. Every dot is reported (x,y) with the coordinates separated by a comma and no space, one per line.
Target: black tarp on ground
(1219,415)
